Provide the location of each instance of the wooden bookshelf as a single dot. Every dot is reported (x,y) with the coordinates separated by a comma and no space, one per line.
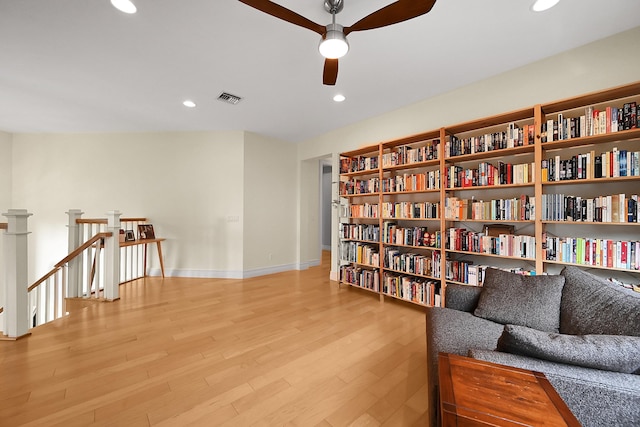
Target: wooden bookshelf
(520,137)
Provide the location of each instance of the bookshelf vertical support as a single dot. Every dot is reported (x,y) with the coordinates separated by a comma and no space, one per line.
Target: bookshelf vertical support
(538,188)
(443,220)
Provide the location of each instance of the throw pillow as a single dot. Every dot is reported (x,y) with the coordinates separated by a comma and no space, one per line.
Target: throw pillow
(532,301)
(616,353)
(591,305)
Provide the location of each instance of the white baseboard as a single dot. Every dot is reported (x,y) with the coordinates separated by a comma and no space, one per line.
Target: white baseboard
(200,274)
(308,264)
(222,274)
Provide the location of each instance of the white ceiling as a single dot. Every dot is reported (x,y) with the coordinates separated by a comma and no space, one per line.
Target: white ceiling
(83,66)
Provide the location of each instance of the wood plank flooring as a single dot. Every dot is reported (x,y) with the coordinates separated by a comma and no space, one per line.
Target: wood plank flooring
(285,349)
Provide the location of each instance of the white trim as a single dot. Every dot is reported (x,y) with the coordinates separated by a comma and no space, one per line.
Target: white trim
(204,274)
(308,264)
(221,274)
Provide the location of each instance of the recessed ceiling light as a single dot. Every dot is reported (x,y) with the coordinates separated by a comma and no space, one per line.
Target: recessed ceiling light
(339,98)
(125,6)
(189,103)
(541,5)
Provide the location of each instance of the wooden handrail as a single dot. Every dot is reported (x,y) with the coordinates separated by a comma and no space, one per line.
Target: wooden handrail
(69,257)
(84,246)
(3,226)
(1,309)
(104,220)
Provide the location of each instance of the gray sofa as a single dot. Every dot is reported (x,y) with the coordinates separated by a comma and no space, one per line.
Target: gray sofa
(581,331)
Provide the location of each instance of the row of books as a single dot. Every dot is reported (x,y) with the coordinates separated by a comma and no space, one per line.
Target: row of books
(358,164)
(412,182)
(362,277)
(410,236)
(514,136)
(359,186)
(615,208)
(474,274)
(408,262)
(411,210)
(360,253)
(610,164)
(421,291)
(622,254)
(407,155)
(592,122)
(365,232)
(366,210)
(487,174)
(515,209)
(512,245)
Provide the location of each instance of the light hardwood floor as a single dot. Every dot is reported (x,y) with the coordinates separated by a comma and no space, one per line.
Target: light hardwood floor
(285,349)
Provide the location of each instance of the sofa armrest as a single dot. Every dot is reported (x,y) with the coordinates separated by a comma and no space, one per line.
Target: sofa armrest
(462,297)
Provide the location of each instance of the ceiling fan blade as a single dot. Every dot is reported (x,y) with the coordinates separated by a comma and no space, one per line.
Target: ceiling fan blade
(399,11)
(330,74)
(285,14)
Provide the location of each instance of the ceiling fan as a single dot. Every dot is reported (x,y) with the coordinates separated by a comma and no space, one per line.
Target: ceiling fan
(333,44)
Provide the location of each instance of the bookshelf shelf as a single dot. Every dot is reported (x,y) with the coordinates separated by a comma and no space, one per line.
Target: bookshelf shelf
(404,299)
(505,221)
(592,180)
(353,285)
(397,193)
(360,195)
(623,135)
(489,255)
(489,187)
(492,154)
(518,146)
(592,223)
(423,248)
(599,267)
(409,166)
(422,276)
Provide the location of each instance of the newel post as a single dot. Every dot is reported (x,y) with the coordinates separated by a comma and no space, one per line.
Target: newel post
(74,273)
(112,257)
(16,310)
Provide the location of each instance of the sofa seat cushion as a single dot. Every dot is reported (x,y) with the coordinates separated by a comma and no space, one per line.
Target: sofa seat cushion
(532,301)
(597,398)
(591,305)
(618,353)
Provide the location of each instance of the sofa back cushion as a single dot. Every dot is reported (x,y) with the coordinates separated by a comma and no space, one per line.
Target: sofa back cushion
(531,301)
(618,353)
(591,305)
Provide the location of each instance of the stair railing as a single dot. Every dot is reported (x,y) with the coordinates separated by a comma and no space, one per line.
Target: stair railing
(47,295)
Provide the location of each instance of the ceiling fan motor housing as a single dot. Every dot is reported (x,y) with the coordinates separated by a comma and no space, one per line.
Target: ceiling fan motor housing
(333,6)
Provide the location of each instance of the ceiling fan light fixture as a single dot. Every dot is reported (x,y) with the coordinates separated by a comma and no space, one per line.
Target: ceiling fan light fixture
(334,45)
(125,6)
(542,5)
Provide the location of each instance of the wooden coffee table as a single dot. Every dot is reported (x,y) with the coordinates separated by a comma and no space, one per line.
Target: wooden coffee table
(478,393)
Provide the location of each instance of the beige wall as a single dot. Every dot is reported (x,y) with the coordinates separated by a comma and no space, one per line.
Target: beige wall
(599,65)
(188,184)
(269,205)
(5,173)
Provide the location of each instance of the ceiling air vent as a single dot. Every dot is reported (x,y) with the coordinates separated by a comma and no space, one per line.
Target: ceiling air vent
(228,98)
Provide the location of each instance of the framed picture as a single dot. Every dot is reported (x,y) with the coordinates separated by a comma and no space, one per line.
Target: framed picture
(129,236)
(145,231)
